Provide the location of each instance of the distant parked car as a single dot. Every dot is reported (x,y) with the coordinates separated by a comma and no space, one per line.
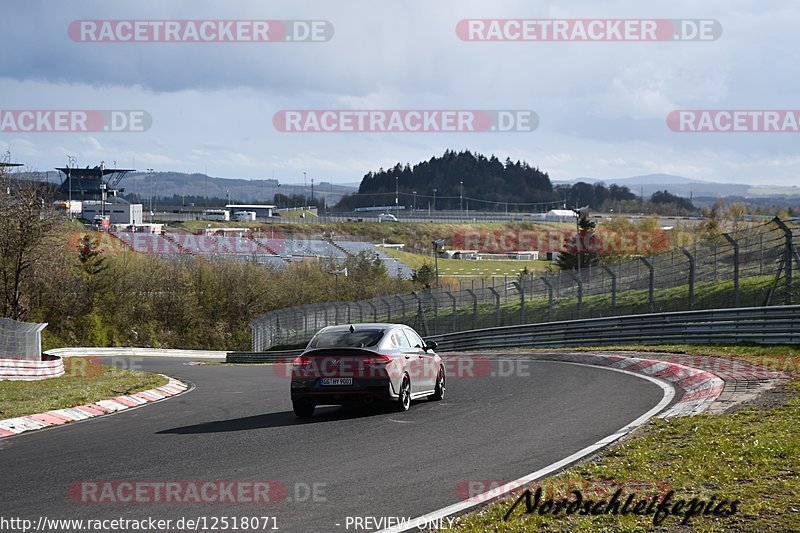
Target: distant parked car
(387,217)
(364,364)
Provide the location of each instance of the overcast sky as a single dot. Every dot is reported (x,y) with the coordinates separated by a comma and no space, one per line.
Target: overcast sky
(602,106)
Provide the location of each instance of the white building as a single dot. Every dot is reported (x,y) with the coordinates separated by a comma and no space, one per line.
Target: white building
(261,211)
(561,215)
(118,212)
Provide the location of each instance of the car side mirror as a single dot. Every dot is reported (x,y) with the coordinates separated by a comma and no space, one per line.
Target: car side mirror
(431,345)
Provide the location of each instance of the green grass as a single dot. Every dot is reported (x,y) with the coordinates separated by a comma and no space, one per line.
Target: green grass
(296,214)
(463,267)
(752,456)
(708,295)
(193,226)
(84,381)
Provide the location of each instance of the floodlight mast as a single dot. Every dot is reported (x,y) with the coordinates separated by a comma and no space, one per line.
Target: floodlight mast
(71,162)
(438,243)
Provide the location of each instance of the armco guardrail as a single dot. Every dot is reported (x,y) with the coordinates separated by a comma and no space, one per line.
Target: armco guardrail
(284,356)
(759,325)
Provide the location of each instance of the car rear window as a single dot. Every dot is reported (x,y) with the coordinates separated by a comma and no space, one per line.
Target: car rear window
(363,338)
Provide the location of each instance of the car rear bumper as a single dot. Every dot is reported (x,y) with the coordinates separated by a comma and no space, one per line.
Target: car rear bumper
(363,391)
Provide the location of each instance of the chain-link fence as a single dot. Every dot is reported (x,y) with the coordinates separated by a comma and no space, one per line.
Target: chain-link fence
(20,340)
(752,267)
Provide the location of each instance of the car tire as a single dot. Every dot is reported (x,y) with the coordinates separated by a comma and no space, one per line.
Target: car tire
(303,409)
(404,395)
(438,392)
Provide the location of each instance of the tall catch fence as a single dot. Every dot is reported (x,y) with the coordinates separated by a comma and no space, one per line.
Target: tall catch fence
(750,268)
(20,340)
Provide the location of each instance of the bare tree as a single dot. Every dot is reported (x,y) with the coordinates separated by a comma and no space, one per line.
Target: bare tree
(28,225)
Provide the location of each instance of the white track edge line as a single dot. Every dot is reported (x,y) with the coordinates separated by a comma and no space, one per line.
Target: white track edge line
(486,497)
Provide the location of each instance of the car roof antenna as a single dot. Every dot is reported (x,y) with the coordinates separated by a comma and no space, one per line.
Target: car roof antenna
(352,329)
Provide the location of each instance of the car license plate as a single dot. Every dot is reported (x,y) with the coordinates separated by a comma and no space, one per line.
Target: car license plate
(336,381)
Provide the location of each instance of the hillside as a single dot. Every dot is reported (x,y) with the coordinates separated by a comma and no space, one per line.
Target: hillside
(454,179)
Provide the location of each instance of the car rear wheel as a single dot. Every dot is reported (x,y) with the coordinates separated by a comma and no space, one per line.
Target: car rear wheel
(438,392)
(303,409)
(404,397)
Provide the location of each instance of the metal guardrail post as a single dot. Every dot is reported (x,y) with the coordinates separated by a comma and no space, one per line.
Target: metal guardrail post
(549,298)
(521,292)
(692,276)
(613,276)
(454,318)
(733,242)
(651,283)
(496,305)
(577,279)
(474,308)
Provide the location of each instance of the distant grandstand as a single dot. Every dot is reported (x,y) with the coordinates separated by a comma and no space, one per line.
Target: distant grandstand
(88,183)
(261,249)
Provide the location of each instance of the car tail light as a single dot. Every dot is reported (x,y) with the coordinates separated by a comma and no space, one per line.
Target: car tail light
(301,362)
(377,360)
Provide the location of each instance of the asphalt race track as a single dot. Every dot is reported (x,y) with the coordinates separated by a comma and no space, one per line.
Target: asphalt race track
(238,425)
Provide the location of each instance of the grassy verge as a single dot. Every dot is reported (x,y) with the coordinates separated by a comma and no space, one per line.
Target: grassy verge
(84,381)
(708,295)
(460,267)
(752,456)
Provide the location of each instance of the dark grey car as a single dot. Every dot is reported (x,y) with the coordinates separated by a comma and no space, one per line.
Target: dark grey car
(366,363)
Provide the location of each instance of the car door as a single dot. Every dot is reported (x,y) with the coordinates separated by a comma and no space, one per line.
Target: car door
(428,370)
(412,362)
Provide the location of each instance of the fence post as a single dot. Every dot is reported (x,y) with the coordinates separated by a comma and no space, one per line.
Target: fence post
(613,288)
(735,245)
(388,309)
(549,298)
(454,318)
(402,306)
(360,312)
(496,305)
(691,275)
(651,283)
(787,260)
(521,292)
(474,308)
(577,279)
(435,313)
(374,310)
